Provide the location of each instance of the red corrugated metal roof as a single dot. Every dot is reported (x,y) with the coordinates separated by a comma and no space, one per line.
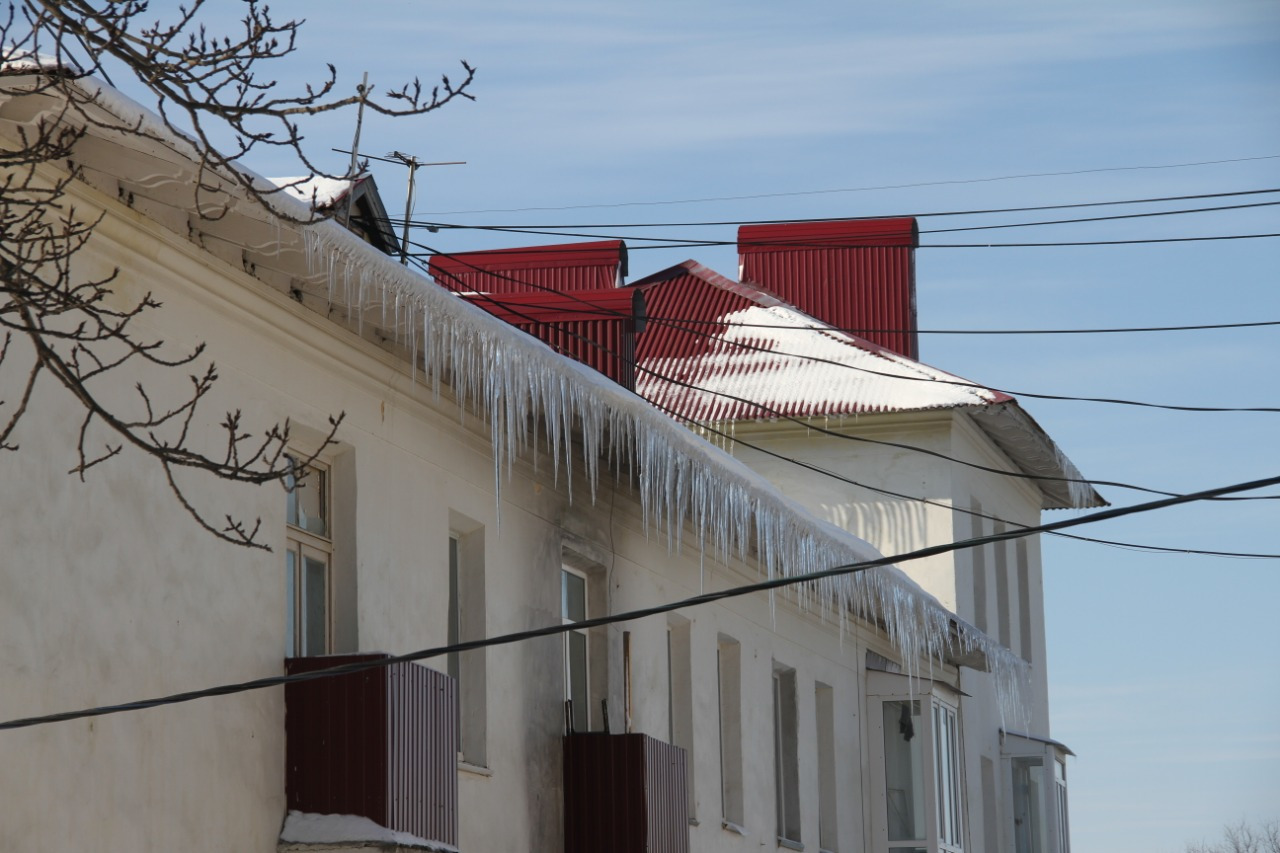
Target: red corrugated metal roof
(841,233)
(567,266)
(527,308)
(714,349)
(851,274)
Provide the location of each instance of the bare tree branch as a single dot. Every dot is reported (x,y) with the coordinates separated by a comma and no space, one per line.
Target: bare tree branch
(79,337)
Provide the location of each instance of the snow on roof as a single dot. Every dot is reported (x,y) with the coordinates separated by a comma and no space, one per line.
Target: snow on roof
(748,355)
(318,191)
(17,60)
(761,362)
(717,350)
(681,479)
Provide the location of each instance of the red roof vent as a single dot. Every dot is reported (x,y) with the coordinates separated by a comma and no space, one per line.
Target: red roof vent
(855,274)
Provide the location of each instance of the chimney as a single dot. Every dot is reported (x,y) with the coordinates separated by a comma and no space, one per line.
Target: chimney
(852,274)
(569,296)
(564,267)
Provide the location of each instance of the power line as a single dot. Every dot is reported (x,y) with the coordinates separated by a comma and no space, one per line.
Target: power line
(917,214)
(817,469)
(566,230)
(690,602)
(916,185)
(678,321)
(959,383)
(964,383)
(807,424)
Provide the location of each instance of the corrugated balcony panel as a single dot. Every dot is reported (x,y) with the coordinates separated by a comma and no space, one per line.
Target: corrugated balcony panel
(380,744)
(624,793)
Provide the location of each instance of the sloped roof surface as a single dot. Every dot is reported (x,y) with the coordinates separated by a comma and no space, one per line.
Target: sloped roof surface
(737,353)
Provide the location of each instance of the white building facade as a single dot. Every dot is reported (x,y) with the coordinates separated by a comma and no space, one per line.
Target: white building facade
(478,485)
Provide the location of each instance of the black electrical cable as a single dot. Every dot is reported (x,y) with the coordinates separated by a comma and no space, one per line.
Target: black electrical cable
(690,602)
(677,321)
(817,469)
(560,231)
(959,383)
(807,424)
(861,189)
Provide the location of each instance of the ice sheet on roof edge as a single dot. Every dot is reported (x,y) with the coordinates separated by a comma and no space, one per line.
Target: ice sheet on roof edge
(681,477)
(511,377)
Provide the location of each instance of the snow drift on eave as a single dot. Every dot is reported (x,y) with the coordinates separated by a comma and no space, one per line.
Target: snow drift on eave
(513,378)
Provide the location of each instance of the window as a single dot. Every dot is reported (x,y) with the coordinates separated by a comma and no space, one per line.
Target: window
(1028,798)
(825,719)
(729,682)
(573,608)
(918,767)
(947,777)
(308,560)
(1024,600)
(680,696)
(979,557)
(1004,611)
(1040,819)
(786,769)
(1060,799)
(467,622)
(904,774)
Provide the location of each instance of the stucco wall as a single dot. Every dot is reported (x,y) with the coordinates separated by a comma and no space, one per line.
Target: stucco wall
(111,593)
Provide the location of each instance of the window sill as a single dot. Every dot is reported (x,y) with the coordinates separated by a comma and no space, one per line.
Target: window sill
(788,844)
(473,769)
(730,826)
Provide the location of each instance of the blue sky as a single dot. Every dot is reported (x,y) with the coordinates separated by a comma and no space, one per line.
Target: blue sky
(1164,671)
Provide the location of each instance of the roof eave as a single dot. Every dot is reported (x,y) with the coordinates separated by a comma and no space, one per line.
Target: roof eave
(1026,443)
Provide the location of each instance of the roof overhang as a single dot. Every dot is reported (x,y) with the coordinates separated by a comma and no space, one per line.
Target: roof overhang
(1029,447)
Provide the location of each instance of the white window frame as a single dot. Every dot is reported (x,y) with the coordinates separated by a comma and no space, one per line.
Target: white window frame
(937,725)
(581,717)
(729,701)
(1049,804)
(467,621)
(786,755)
(302,545)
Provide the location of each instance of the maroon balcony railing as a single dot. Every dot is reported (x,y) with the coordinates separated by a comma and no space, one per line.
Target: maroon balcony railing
(381,744)
(624,793)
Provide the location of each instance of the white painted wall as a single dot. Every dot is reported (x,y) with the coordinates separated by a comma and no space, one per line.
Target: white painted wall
(111,593)
(896,526)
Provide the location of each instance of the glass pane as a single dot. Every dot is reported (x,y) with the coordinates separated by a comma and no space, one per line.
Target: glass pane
(290,603)
(291,495)
(315,606)
(1027,774)
(307,507)
(573,596)
(946,771)
(576,675)
(454,607)
(903,771)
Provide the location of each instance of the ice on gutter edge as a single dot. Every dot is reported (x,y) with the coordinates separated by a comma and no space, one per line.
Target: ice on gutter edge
(512,377)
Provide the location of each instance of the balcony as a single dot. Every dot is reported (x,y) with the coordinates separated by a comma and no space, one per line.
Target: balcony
(624,793)
(380,744)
